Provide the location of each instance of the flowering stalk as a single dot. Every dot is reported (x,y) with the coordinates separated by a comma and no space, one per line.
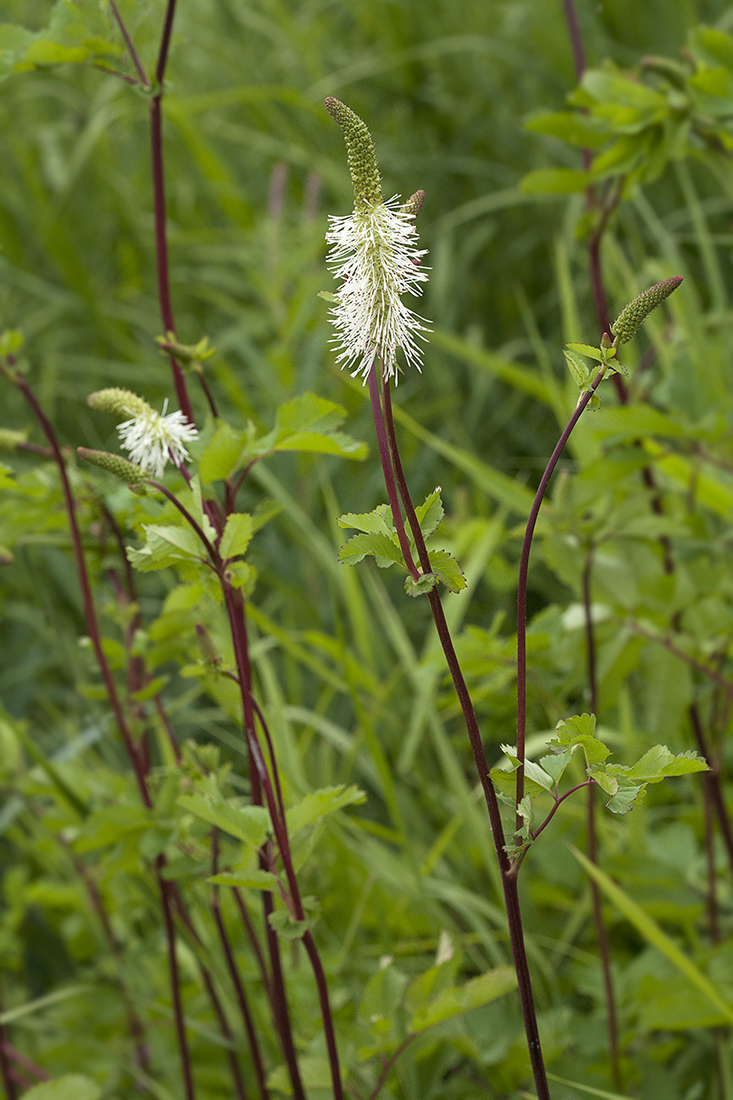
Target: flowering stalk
(509,878)
(373,253)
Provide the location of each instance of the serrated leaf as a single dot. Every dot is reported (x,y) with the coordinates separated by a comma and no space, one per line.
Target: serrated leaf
(577,367)
(71,1086)
(588,350)
(318,804)
(538,775)
(580,730)
(165,545)
(447,569)
(379,519)
(556,763)
(221,454)
(457,999)
(247,823)
(386,550)
(309,423)
(237,534)
(430,513)
(425,583)
(658,763)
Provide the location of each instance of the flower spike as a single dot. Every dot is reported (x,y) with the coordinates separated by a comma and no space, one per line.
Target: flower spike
(150,437)
(373,252)
(361,153)
(630,318)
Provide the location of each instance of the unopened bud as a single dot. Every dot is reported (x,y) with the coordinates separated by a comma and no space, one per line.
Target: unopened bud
(121,402)
(126,471)
(627,323)
(414,204)
(361,154)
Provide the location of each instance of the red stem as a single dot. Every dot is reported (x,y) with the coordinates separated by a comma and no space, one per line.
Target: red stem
(234,972)
(384,456)
(522,580)
(600,925)
(509,880)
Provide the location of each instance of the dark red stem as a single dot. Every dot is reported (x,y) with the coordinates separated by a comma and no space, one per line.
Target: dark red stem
(600,925)
(254,1045)
(522,580)
(509,880)
(384,456)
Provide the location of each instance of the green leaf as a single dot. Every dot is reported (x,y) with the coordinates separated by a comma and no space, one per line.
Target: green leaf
(658,763)
(447,570)
(386,550)
(580,730)
(378,520)
(309,423)
(70,1087)
(221,454)
(584,131)
(430,513)
(315,1074)
(457,999)
(253,880)
(578,368)
(106,827)
(588,350)
(654,935)
(426,582)
(554,181)
(165,545)
(237,534)
(318,804)
(247,823)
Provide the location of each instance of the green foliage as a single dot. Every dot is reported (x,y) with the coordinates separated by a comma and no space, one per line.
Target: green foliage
(348,675)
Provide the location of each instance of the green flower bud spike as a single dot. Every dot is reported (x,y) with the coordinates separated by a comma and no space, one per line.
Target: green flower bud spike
(413,206)
(361,155)
(126,471)
(629,320)
(121,402)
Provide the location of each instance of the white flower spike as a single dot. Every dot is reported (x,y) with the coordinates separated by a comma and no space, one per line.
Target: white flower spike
(151,437)
(148,436)
(373,252)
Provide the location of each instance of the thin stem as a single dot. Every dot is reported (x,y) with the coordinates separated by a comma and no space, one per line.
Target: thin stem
(25,1063)
(161,236)
(8,1081)
(509,881)
(387,467)
(706,670)
(234,972)
(94,633)
(254,941)
(713,783)
(389,1063)
(213,554)
(238,626)
(170,936)
(522,580)
(601,930)
(575,38)
(130,47)
(235,606)
(90,613)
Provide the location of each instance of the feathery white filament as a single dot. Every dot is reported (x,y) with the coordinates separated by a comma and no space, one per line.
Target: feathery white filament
(373,253)
(151,437)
